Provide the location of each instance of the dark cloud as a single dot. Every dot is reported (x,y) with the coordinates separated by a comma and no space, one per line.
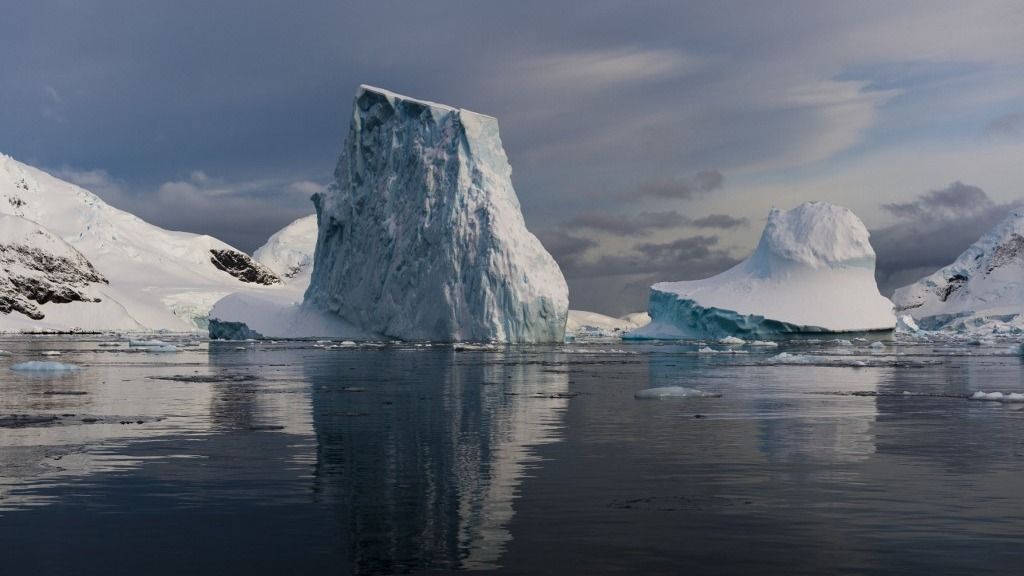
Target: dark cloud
(720,221)
(682,188)
(1008,127)
(932,231)
(643,224)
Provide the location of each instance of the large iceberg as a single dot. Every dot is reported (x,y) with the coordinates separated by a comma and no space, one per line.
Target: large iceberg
(421,234)
(983,288)
(812,271)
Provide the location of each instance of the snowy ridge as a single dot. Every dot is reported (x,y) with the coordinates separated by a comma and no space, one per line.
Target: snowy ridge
(812,271)
(582,324)
(421,235)
(985,283)
(289,252)
(157,279)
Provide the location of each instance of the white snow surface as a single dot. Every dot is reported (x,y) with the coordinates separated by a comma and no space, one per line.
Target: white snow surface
(583,324)
(158,279)
(812,271)
(981,292)
(421,236)
(289,252)
(275,316)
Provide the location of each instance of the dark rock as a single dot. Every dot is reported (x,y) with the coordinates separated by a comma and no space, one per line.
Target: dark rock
(243,267)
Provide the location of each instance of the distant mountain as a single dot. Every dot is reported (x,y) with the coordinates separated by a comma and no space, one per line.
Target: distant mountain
(985,282)
(158,279)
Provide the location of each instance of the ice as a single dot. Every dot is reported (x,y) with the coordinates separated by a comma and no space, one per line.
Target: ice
(673,392)
(1011,397)
(732,341)
(982,292)
(877,346)
(50,353)
(813,271)
(421,235)
(764,343)
(147,343)
(289,252)
(45,366)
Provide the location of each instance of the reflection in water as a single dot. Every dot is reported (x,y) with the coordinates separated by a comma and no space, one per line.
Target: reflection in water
(423,470)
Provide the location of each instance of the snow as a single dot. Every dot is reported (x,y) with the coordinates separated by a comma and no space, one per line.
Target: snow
(673,392)
(50,353)
(241,316)
(156,279)
(583,325)
(289,252)
(37,366)
(421,236)
(981,292)
(812,271)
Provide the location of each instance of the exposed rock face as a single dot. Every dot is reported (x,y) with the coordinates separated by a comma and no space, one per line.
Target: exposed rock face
(987,280)
(39,268)
(243,267)
(812,271)
(421,234)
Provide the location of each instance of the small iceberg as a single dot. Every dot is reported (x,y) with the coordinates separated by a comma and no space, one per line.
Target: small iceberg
(732,341)
(1009,398)
(673,392)
(37,366)
(50,353)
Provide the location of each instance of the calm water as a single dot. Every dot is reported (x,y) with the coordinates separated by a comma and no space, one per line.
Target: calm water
(290,459)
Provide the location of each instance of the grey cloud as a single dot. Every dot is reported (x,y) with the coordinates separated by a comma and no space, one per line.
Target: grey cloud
(720,221)
(643,224)
(932,231)
(682,188)
(1008,127)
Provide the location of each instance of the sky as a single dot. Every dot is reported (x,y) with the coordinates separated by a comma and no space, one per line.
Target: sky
(648,140)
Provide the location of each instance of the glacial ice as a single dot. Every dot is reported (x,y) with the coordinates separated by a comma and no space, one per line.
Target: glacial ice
(43,366)
(421,236)
(673,392)
(1009,398)
(812,271)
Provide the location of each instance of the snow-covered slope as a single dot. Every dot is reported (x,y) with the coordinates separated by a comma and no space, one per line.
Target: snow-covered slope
(813,271)
(985,282)
(421,234)
(583,324)
(289,252)
(162,280)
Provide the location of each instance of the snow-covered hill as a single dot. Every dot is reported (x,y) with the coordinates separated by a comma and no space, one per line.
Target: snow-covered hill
(158,279)
(984,285)
(583,324)
(289,252)
(421,235)
(813,271)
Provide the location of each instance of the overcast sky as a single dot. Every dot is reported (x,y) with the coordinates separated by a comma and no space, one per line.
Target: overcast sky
(648,140)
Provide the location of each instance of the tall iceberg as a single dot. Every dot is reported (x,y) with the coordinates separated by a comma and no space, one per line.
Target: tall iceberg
(985,284)
(813,271)
(421,234)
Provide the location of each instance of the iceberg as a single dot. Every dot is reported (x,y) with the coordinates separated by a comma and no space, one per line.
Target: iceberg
(582,324)
(421,236)
(981,292)
(813,271)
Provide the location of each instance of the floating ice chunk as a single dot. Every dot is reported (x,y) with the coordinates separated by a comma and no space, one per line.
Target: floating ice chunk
(673,392)
(842,342)
(877,346)
(147,343)
(764,344)
(465,347)
(906,323)
(37,366)
(1011,397)
(50,353)
(348,344)
(4,353)
(707,350)
(732,341)
(161,349)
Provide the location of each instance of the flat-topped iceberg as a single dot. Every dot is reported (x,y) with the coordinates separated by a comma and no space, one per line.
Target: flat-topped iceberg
(982,291)
(813,271)
(421,234)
